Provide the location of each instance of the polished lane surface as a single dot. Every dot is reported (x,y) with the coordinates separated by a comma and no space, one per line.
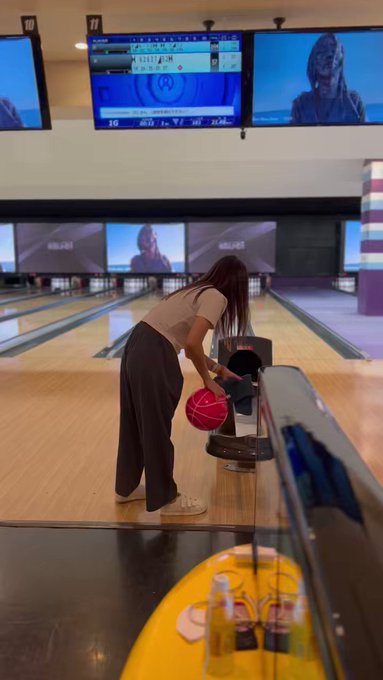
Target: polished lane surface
(14,297)
(58,452)
(15,307)
(14,327)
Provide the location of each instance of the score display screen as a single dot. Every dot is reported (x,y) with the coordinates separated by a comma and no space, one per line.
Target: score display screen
(182,80)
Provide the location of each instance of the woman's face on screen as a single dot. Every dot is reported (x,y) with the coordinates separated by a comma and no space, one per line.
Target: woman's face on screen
(328,61)
(149,241)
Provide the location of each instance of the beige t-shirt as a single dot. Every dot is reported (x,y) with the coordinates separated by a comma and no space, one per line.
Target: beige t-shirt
(174,316)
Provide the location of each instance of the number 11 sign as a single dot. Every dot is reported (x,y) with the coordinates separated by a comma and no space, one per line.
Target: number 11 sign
(94,24)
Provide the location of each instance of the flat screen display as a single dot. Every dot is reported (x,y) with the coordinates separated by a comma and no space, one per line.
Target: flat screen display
(252,242)
(7,249)
(145,248)
(71,248)
(318,77)
(166,80)
(23,98)
(352,241)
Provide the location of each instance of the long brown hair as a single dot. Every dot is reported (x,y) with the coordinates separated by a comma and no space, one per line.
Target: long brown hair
(230,277)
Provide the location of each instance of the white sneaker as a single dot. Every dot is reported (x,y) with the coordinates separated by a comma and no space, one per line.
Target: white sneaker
(183,506)
(139,494)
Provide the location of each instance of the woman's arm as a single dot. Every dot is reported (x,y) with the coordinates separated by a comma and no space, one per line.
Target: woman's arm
(212,365)
(194,352)
(221,371)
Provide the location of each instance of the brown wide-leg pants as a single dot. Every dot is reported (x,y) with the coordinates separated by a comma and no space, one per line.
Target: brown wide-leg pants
(150,389)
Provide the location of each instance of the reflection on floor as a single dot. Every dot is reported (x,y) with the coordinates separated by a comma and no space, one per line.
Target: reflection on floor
(74,600)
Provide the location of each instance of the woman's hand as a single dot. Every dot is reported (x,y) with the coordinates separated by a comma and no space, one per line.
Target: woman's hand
(225,374)
(216,389)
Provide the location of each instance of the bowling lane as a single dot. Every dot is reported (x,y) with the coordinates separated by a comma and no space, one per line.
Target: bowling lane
(13,327)
(14,295)
(293,343)
(88,339)
(4,291)
(58,452)
(75,439)
(352,389)
(15,307)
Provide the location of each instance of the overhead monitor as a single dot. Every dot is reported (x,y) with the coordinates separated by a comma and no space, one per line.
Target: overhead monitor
(252,242)
(23,93)
(166,80)
(145,248)
(60,248)
(7,249)
(318,77)
(352,245)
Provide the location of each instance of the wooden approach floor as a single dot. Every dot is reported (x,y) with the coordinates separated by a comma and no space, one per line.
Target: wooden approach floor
(59,424)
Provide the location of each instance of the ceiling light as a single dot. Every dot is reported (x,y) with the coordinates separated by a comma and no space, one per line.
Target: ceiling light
(81,46)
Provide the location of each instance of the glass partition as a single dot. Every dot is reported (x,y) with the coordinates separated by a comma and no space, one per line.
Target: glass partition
(321,511)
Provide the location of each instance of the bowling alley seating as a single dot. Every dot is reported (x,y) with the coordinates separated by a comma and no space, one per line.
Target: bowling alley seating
(242,356)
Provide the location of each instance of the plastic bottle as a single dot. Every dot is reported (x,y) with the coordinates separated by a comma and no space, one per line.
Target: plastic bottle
(302,641)
(220,629)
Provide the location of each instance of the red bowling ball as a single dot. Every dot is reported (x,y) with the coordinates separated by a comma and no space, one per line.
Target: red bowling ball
(205,411)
